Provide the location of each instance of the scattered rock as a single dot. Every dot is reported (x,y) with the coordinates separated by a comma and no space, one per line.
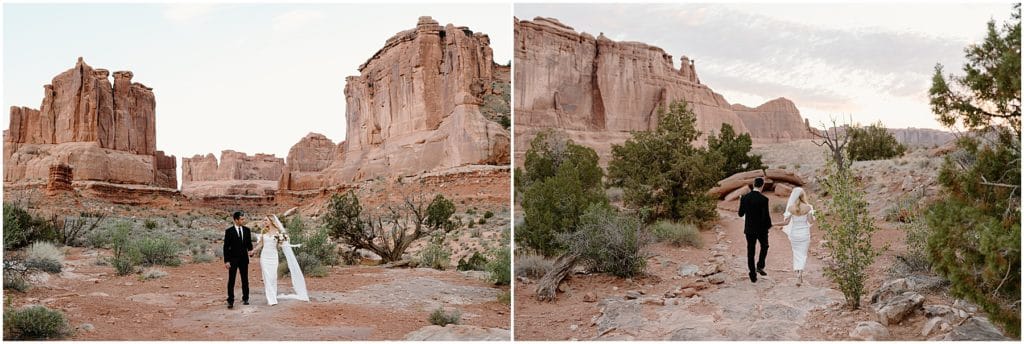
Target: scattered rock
(589,297)
(932,324)
(975,328)
(688,270)
(896,309)
(890,289)
(716,279)
(633,294)
(697,285)
(869,330)
(655,301)
(87,327)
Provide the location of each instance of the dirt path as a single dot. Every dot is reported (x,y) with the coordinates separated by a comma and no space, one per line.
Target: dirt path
(352,303)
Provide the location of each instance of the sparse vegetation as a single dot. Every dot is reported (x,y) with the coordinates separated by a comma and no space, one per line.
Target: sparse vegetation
(476,261)
(150,274)
(150,224)
(677,234)
(906,208)
(435,255)
(44,256)
(35,322)
(609,241)
(442,318)
(533,266)
(499,266)
(848,228)
(158,249)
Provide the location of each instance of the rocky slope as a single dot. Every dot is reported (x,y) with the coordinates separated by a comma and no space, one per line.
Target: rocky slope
(104,131)
(598,90)
(414,108)
(237,174)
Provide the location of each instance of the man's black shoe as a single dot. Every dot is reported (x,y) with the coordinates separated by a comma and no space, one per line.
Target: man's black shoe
(761,271)
(231,305)
(245,303)
(753,277)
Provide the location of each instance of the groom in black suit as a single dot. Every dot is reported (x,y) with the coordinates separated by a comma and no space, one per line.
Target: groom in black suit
(757,222)
(237,248)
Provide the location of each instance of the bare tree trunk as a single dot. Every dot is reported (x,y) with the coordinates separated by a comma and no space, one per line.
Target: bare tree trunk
(547,288)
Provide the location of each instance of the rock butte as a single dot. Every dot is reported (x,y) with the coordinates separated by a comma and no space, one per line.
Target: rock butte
(598,91)
(104,132)
(414,108)
(237,174)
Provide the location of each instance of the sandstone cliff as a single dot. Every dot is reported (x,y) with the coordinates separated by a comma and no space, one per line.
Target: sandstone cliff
(103,131)
(598,90)
(414,108)
(237,174)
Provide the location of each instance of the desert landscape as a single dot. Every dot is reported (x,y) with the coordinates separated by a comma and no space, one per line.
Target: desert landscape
(600,95)
(101,242)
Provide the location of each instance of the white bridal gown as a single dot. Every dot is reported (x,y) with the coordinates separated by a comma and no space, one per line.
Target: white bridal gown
(799,232)
(268,265)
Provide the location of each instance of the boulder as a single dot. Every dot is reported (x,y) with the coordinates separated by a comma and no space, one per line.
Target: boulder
(870,331)
(895,309)
(688,270)
(782,189)
(975,329)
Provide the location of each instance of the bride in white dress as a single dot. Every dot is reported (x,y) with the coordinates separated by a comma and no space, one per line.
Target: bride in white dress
(799,212)
(267,244)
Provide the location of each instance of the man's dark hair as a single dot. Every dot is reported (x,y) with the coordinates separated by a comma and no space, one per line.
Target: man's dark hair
(758,182)
(237,215)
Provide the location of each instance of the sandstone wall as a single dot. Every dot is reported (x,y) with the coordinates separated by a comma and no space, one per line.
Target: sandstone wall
(414,108)
(104,131)
(235,174)
(598,90)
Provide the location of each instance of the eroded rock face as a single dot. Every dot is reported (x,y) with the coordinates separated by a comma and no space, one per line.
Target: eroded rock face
(598,90)
(414,108)
(105,132)
(236,174)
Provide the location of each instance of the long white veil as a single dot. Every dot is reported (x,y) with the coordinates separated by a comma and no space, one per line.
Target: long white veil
(298,280)
(793,198)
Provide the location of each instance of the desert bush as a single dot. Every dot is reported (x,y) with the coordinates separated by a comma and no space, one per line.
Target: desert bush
(149,274)
(125,254)
(873,142)
(14,274)
(310,264)
(158,249)
(916,255)
(150,224)
(476,261)
(559,180)
(906,208)
(677,234)
(202,258)
(389,233)
(482,221)
(35,322)
(848,228)
(663,174)
(71,230)
(533,266)
(441,318)
(315,241)
(736,151)
(435,255)
(609,241)
(21,228)
(975,240)
(499,264)
(488,214)
(44,256)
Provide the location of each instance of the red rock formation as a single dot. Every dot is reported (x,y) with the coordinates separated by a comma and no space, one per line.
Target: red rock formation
(306,160)
(104,132)
(415,107)
(60,178)
(598,90)
(236,174)
(777,120)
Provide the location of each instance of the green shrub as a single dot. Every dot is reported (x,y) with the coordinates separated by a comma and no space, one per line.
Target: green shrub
(98,238)
(488,214)
(158,249)
(44,256)
(735,149)
(441,318)
(663,174)
(848,228)
(125,254)
(14,274)
(610,242)
(872,142)
(499,264)
(559,180)
(22,228)
(533,266)
(677,234)
(435,255)
(35,322)
(310,264)
(475,262)
(482,221)
(315,241)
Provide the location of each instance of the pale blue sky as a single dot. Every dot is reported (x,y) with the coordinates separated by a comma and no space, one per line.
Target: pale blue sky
(250,77)
(869,60)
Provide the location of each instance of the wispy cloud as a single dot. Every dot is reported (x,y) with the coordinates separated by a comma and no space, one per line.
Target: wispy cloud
(185,13)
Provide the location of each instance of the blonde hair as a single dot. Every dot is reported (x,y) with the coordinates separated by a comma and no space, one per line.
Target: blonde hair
(800,202)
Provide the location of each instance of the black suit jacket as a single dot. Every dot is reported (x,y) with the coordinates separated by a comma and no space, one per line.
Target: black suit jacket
(237,250)
(754,209)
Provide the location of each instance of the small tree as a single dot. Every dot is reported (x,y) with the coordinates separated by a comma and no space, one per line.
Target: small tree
(663,174)
(390,232)
(560,179)
(835,140)
(873,142)
(736,151)
(975,227)
(848,228)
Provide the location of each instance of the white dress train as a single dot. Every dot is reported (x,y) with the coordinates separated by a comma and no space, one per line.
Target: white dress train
(799,233)
(268,264)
